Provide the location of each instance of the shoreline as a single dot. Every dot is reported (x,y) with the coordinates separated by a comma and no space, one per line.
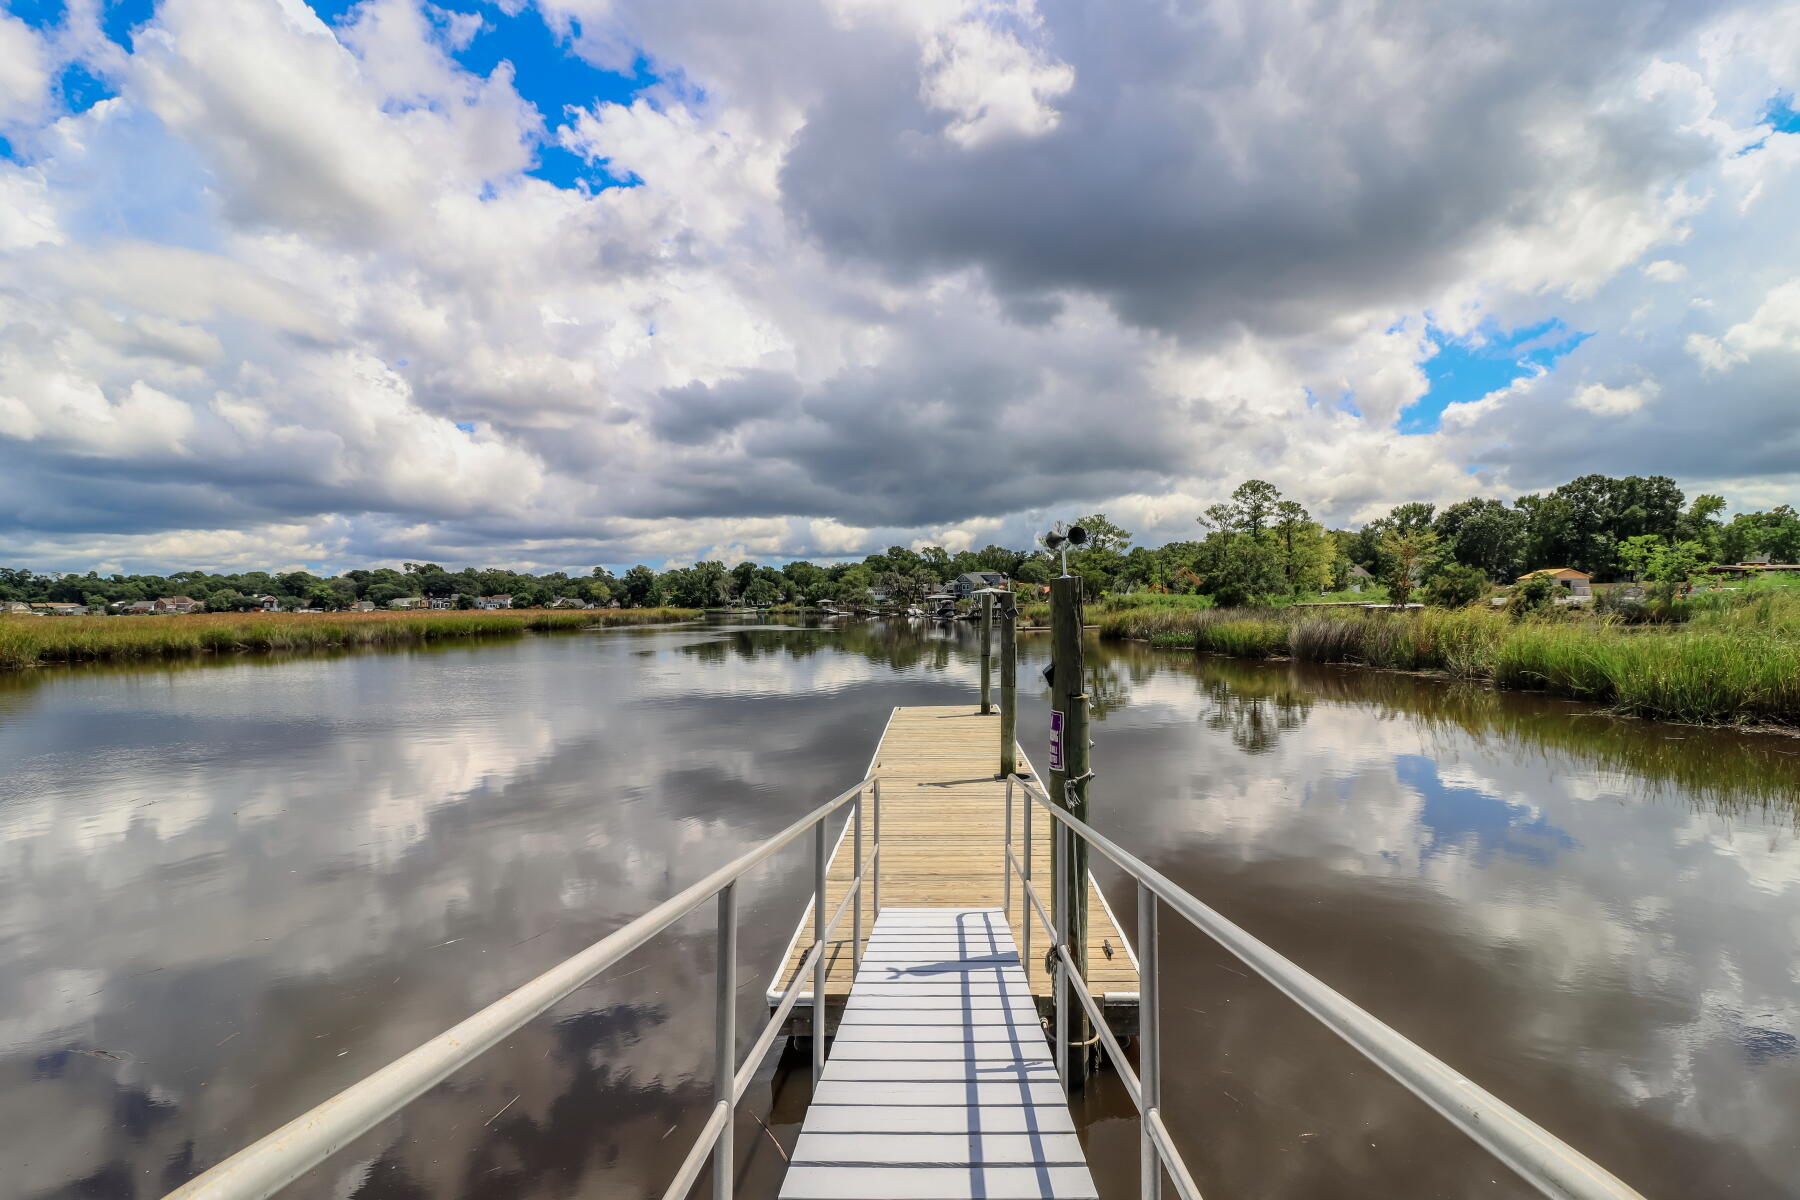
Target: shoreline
(1703,679)
(1434,675)
(32,643)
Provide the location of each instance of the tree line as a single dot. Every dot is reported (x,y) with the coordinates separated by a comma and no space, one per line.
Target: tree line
(1255,546)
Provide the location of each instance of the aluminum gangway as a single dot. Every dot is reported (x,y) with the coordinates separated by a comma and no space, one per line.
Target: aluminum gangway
(892,1016)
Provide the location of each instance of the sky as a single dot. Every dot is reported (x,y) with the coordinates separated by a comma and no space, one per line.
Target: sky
(548,284)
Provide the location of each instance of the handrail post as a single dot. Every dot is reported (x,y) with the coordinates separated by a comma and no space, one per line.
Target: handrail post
(987,652)
(819,967)
(1009,686)
(1023,903)
(1006,858)
(1058,983)
(856,911)
(725,1039)
(876,905)
(1149,1045)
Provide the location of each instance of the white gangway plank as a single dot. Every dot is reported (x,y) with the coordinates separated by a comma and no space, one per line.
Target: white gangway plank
(940,1084)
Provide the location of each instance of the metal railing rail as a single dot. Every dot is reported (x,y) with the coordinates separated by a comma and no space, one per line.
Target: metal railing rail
(1546,1162)
(276,1160)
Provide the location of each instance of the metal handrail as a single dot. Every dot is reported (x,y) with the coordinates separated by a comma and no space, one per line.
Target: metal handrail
(1544,1161)
(276,1160)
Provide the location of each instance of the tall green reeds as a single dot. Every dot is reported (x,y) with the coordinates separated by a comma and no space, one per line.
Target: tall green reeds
(1739,665)
(33,641)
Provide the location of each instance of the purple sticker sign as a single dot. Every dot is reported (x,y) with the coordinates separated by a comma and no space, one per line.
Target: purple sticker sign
(1056,746)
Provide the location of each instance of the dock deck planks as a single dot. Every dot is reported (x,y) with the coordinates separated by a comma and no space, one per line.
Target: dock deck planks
(958,1102)
(942,828)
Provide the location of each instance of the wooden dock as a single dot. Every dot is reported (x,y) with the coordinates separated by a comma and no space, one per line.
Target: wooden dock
(943,815)
(940,1082)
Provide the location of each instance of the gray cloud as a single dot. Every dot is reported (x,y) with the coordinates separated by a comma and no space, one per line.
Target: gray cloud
(1246,164)
(895,273)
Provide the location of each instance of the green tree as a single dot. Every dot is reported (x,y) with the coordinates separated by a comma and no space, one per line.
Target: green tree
(1636,553)
(639,587)
(1250,509)
(1676,564)
(324,596)
(1411,518)
(1457,585)
(1775,533)
(1239,568)
(1700,523)
(1406,554)
(741,575)
(1534,595)
(1483,533)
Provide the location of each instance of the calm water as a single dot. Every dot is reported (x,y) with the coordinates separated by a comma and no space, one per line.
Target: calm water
(227,891)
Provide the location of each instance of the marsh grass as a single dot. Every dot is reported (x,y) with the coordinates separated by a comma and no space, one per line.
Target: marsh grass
(1731,663)
(34,641)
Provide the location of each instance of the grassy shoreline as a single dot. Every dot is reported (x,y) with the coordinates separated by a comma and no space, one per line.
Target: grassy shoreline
(27,642)
(1733,665)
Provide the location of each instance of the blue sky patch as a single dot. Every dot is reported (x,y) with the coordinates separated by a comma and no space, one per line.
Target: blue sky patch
(1478,824)
(547,72)
(81,89)
(1781,115)
(123,16)
(567,169)
(1466,369)
(39,14)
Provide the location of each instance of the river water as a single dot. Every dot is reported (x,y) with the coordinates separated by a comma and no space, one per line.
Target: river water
(229,889)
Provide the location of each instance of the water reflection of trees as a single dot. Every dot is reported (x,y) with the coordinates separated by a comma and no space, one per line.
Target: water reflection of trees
(1255,709)
(900,645)
(1108,688)
(1720,769)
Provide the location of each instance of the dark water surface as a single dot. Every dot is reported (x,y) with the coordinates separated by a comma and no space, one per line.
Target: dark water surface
(229,890)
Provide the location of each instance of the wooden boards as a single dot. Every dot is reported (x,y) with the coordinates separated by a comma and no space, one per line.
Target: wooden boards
(942,831)
(940,1083)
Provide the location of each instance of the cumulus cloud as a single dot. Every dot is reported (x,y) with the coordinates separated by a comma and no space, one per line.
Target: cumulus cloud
(888,273)
(24,72)
(1613,401)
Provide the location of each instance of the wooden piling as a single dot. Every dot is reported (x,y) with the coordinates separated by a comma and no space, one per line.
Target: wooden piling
(1009,685)
(1069,788)
(987,651)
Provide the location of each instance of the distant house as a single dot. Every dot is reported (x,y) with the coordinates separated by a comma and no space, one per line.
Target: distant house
(407,602)
(568,602)
(1575,583)
(176,604)
(19,607)
(138,607)
(267,603)
(62,610)
(970,582)
(363,606)
(491,602)
(1359,578)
